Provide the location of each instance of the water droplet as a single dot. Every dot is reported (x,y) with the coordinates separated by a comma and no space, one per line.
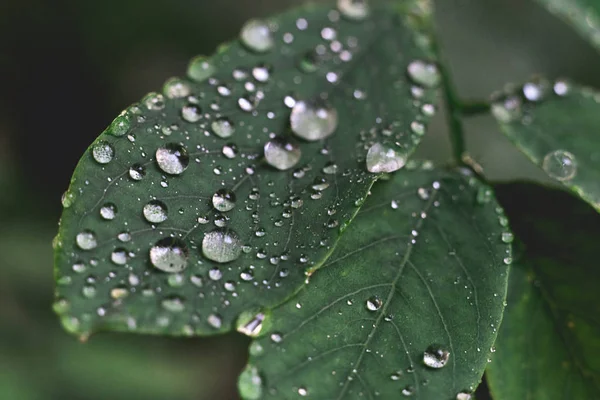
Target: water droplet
(435,357)
(215,274)
(374,303)
(169,255)
(172,159)
(261,72)
(313,120)
(103,152)
(250,323)
(223,200)
(215,321)
(408,391)
(173,304)
(302,391)
(276,338)
(221,245)
(191,113)
(257,36)
(560,165)
(175,88)
(282,154)
(137,172)
(463,396)
(230,150)
(424,73)
(200,69)
(381,158)
(354,9)
(119,256)
(507,110)
(120,126)
(507,237)
(561,88)
(250,384)
(154,102)
(223,128)
(86,240)
(535,91)
(155,212)
(108,211)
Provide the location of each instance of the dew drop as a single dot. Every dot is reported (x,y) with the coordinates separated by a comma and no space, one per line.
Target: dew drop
(86,240)
(215,321)
(302,391)
(560,165)
(313,120)
(154,102)
(223,128)
(108,211)
(175,88)
(103,152)
(155,212)
(507,110)
(381,158)
(281,153)
(120,126)
(215,274)
(261,73)
(435,357)
(374,303)
(221,245)
(424,73)
(191,113)
(169,255)
(250,324)
(408,391)
(257,36)
(507,237)
(223,200)
(250,384)
(119,256)
(464,396)
(354,9)
(200,69)
(173,304)
(137,172)
(172,159)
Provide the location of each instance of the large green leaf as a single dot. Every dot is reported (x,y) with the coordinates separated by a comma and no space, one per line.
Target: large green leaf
(549,341)
(420,275)
(363,75)
(582,15)
(556,126)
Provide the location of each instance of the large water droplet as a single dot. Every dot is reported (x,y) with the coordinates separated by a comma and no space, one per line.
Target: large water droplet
(424,73)
(221,245)
(560,165)
(313,120)
(354,9)
(175,88)
(172,158)
(382,158)
(137,172)
(155,212)
(435,357)
(257,36)
(103,152)
(223,200)
(282,154)
(86,240)
(250,384)
(169,255)
(250,323)
(191,113)
(223,128)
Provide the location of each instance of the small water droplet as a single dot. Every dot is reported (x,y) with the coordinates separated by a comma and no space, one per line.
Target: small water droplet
(103,152)
(463,396)
(119,256)
(257,36)
(223,127)
(221,245)
(281,153)
(173,304)
(313,120)
(215,321)
(86,240)
(108,211)
(424,73)
(250,324)
(276,338)
(261,72)
(169,255)
(191,113)
(154,101)
(560,165)
(381,158)
(408,391)
(172,158)
(137,172)
(120,126)
(354,9)
(374,303)
(175,88)
(155,212)
(200,69)
(250,384)
(507,110)
(302,391)
(223,200)
(436,357)
(507,237)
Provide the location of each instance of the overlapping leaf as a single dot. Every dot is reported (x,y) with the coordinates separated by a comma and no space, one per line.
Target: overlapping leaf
(556,126)
(408,304)
(183,173)
(548,343)
(582,15)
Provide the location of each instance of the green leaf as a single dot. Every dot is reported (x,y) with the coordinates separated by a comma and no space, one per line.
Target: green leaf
(556,126)
(548,343)
(197,151)
(582,15)
(423,269)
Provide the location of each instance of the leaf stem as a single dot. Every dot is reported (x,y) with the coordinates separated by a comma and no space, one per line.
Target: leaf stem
(454,115)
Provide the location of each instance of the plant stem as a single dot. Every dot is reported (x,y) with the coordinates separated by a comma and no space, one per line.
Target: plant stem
(455,113)
(470,108)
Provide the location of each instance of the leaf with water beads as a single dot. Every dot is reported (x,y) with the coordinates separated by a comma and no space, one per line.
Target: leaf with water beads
(548,345)
(219,195)
(556,126)
(408,304)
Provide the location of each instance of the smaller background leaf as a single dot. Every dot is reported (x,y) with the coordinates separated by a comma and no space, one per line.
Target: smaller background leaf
(556,126)
(549,342)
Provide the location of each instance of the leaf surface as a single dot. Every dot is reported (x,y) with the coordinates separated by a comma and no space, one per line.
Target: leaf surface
(556,126)
(548,343)
(420,270)
(200,203)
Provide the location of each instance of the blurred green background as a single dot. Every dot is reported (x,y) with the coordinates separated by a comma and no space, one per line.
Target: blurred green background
(69,66)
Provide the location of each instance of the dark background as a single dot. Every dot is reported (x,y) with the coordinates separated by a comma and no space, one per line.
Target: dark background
(68,67)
